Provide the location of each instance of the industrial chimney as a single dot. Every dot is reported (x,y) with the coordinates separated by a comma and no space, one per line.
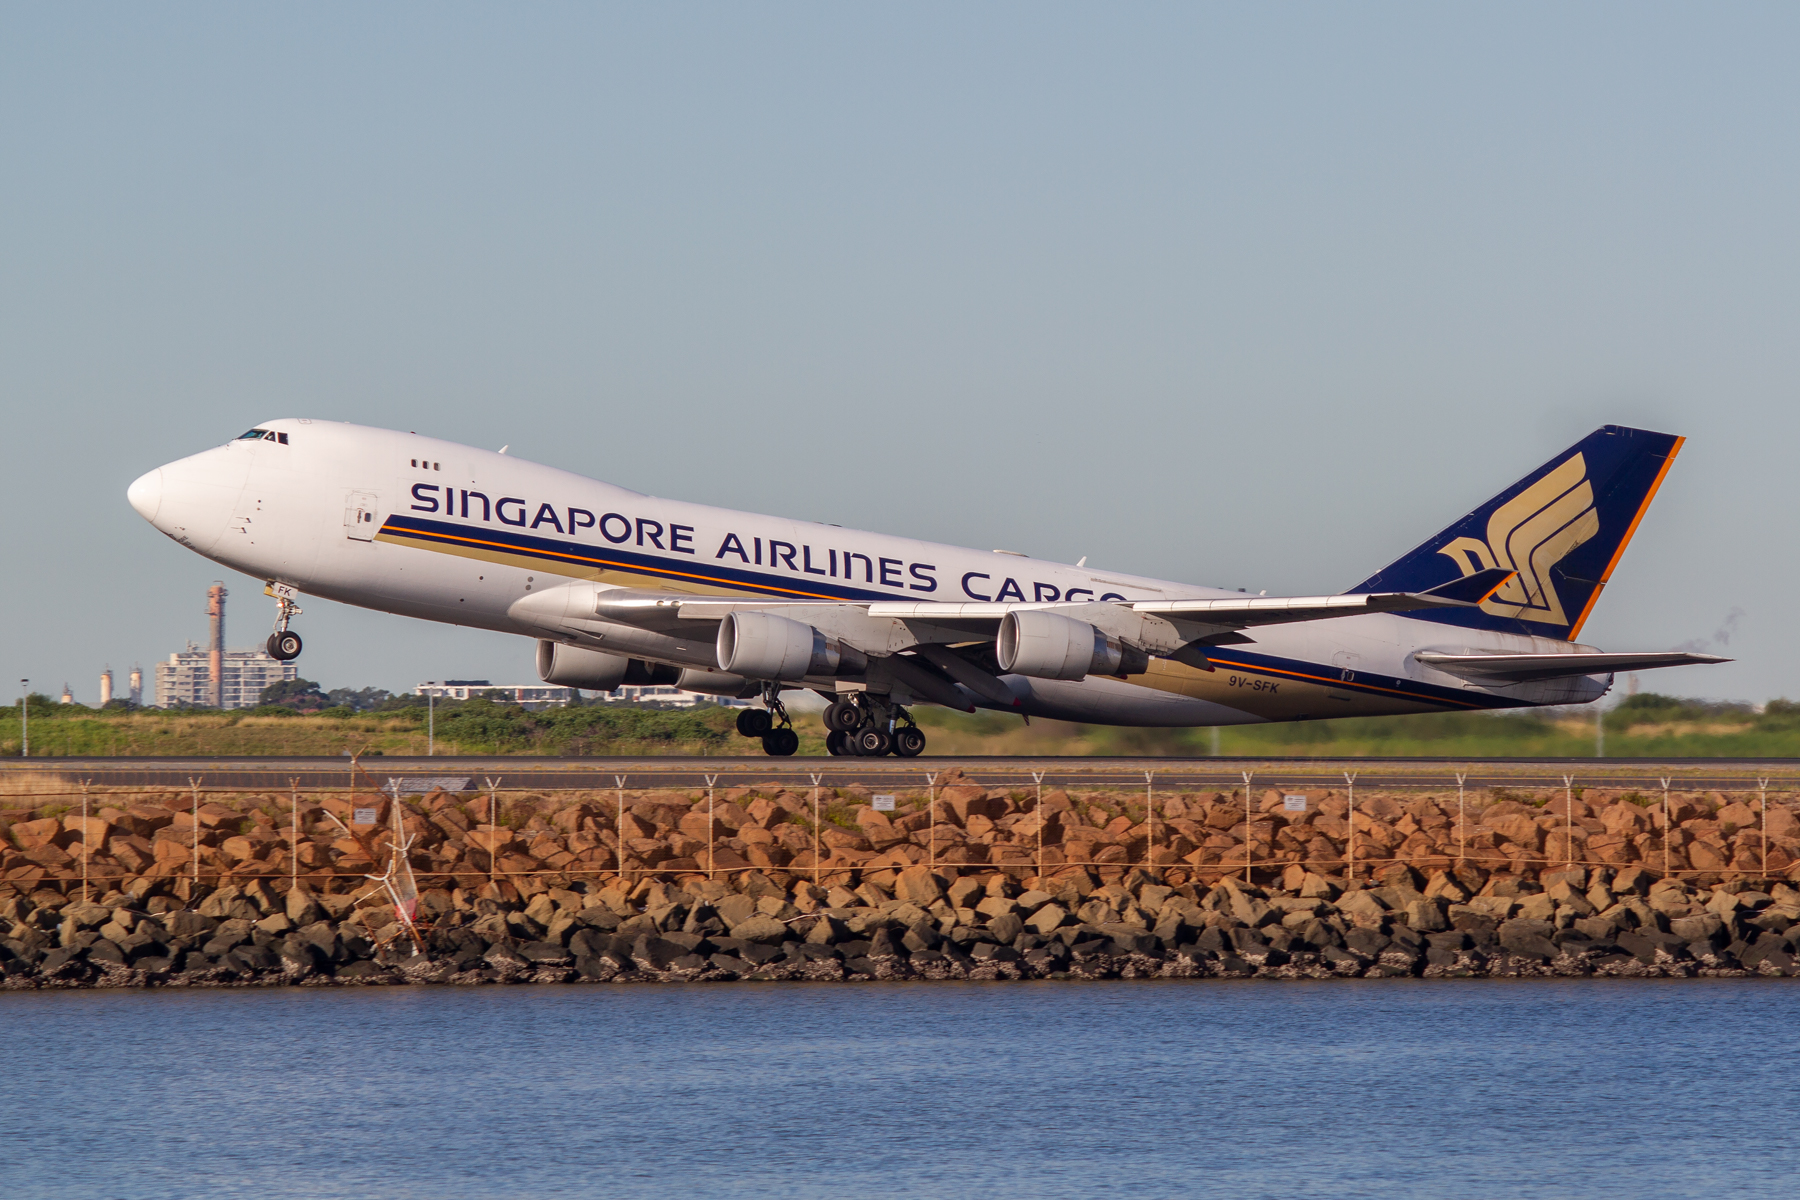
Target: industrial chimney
(215,659)
(106,687)
(137,685)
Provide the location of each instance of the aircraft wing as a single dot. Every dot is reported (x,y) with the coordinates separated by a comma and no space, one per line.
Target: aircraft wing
(889,626)
(1525,668)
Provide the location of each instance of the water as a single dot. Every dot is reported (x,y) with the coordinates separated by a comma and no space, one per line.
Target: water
(1341,1089)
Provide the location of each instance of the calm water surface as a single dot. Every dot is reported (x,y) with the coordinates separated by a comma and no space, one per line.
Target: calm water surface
(1379,1088)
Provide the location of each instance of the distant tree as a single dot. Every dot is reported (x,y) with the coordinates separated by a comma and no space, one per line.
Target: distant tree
(302,695)
(358,699)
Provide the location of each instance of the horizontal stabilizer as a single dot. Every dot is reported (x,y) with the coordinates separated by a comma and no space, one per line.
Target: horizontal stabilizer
(1524,668)
(1472,589)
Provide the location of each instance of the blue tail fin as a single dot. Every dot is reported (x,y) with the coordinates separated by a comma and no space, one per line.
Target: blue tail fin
(1562,529)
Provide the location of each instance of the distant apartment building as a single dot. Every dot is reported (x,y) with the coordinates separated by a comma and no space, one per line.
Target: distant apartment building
(527,695)
(549,695)
(186,678)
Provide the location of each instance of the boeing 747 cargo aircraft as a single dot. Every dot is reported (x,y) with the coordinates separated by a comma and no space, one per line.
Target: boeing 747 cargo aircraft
(618,587)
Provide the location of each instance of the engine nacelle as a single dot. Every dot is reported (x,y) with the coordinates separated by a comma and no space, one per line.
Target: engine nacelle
(761,645)
(596,670)
(717,683)
(1047,645)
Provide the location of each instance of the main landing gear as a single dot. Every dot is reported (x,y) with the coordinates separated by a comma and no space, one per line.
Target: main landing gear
(284,645)
(863,727)
(779,741)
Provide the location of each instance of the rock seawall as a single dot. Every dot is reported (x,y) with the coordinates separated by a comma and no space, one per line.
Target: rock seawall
(1573,923)
(246,890)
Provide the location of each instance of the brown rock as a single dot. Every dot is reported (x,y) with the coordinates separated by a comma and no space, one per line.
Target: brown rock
(1739,816)
(237,849)
(917,885)
(1517,828)
(493,841)
(766,812)
(29,835)
(963,802)
(731,816)
(1709,854)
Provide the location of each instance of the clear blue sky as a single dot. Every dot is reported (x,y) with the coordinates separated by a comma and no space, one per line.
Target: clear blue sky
(1251,295)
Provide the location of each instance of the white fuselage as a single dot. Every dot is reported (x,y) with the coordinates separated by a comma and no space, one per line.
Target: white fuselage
(426,528)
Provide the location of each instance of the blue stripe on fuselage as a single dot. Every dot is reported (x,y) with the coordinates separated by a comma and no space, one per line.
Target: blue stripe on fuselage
(610,558)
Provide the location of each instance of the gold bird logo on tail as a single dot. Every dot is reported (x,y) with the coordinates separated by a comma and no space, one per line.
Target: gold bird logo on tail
(1529,534)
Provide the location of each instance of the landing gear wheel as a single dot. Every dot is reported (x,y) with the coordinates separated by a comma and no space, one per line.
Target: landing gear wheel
(909,741)
(780,743)
(754,722)
(837,743)
(284,646)
(873,742)
(842,716)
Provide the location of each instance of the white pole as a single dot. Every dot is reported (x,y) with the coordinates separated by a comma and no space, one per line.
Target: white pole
(1569,813)
(195,784)
(294,843)
(1350,817)
(1599,731)
(430,724)
(24,718)
(1667,831)
(1149,819)
(1762,788)
(712,858)
(85,838)
(1248,775)
(1037,777)
(931,824)
(1462,825)
(815,783)
(619,833)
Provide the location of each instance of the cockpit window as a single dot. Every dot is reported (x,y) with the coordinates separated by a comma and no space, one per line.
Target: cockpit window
(264,435)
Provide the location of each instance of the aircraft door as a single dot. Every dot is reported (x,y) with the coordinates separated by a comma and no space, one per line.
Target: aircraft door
(359,517)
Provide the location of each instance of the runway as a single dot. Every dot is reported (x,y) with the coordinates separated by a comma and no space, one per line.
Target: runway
(513,773)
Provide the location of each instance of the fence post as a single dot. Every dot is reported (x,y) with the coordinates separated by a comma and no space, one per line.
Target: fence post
(85,839)
(1037,777)
(712,858)
(815,782)
(194,783)
(493,826)
(294,838)
(931,824)
(1350,820)
(1668,829)
(1569,815)
(1762,789)
(1248,776)
(1462,824)
(619,830)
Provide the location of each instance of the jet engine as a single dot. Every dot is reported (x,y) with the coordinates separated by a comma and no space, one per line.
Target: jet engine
(761,645)
(717,683)
(596,670)
(1047,645)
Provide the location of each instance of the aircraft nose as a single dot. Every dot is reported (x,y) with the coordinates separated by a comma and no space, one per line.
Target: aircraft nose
(146,494)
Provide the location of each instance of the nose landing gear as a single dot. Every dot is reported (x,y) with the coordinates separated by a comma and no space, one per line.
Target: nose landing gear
(284,645)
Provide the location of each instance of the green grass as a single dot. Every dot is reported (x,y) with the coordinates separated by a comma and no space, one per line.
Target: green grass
(1646,726)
